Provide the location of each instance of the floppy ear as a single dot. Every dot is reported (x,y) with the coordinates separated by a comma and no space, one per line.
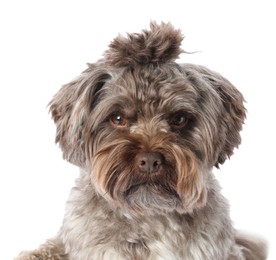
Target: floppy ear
(226,102)
(234,117)
(70,108)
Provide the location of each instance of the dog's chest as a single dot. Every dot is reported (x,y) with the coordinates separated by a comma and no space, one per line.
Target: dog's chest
(164,235)
(151,237)
(161,251)
(151,240)
(170,245)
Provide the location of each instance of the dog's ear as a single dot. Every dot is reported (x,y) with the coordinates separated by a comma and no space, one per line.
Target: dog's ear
(223,104)
(233,115)
(70,108)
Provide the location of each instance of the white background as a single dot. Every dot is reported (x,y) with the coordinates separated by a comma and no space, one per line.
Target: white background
(44,44)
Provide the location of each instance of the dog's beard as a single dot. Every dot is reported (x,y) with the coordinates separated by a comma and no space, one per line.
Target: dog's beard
(152,196)
(178,185)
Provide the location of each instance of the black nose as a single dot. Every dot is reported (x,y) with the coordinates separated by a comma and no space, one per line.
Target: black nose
(149,162)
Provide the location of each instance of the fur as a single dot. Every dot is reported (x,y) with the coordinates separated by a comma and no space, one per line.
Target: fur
(146,132)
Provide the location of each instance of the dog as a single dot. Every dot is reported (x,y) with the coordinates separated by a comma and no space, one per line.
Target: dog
(146,132)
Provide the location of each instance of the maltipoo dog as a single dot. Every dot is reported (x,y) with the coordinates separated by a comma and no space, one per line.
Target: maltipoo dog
(146,133)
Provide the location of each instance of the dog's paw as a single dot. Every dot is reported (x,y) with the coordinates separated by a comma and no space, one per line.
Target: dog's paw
(35,255)
(27,255)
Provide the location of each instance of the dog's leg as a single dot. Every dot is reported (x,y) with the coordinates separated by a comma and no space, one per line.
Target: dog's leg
(253,248)
(52,249)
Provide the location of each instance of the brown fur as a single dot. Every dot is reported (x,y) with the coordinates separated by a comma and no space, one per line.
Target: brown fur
(138,100)
(156,46)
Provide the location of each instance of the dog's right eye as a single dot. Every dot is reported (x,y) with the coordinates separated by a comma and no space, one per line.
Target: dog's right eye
(117,120)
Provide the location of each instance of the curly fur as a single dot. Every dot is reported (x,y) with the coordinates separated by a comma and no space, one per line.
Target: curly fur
(156,46)
(137,101)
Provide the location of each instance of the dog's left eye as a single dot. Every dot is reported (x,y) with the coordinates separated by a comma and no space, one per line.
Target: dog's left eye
(179,120)
(118,120)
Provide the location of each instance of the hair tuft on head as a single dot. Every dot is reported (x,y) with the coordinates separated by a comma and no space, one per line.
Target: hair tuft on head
(158,45)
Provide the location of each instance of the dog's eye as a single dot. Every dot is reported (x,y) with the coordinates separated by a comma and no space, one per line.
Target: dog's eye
(179,120)
(118,120)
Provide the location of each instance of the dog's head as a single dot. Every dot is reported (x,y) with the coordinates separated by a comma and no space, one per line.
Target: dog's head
(148,129)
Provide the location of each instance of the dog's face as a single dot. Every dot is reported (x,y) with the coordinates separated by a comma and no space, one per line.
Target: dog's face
(147,129)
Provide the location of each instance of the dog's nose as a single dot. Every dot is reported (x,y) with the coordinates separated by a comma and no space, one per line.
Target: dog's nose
(149,162)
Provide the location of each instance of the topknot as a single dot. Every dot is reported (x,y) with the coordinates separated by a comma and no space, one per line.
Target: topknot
(158,45)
